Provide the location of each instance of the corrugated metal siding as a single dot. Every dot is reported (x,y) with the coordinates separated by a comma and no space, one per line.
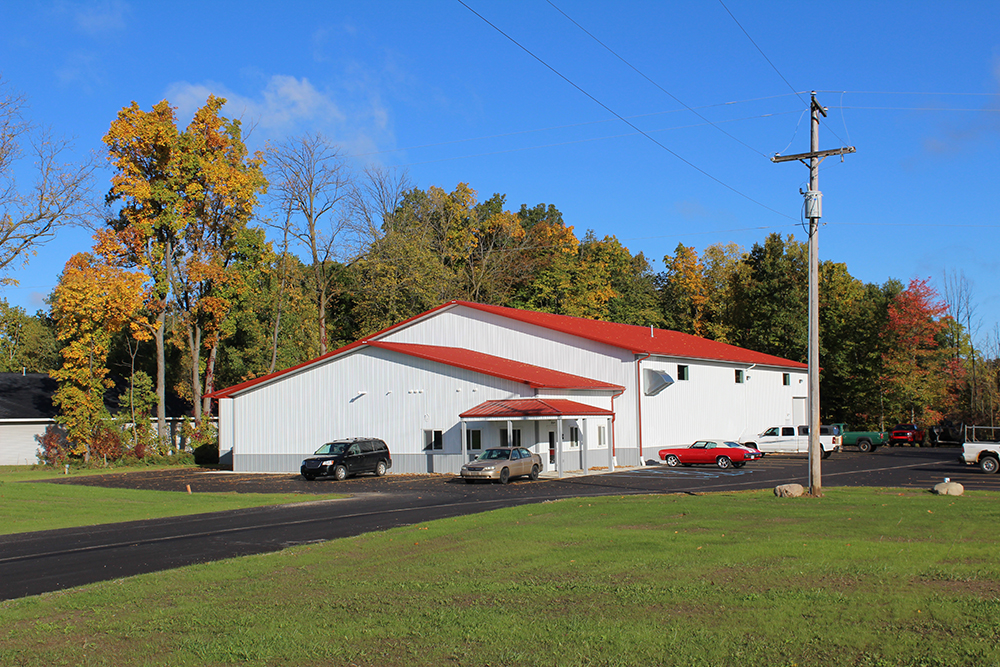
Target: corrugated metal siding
(711,404)
(402,398)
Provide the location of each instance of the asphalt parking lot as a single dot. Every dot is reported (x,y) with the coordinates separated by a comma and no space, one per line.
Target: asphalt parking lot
(907,467)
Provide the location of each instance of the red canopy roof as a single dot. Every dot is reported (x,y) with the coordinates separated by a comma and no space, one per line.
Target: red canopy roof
(534,407)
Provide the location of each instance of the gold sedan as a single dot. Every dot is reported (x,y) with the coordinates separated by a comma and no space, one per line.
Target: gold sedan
(502,463)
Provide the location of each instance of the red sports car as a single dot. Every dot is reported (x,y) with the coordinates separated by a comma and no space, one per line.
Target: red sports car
(722,453)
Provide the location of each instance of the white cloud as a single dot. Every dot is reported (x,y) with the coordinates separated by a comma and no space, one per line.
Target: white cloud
(96,18)
(287,105)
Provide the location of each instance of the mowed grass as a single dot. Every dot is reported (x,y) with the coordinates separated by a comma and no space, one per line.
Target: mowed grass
(866,577)
(27,507)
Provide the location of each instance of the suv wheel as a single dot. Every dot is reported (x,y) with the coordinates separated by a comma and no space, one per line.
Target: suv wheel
(380,469)
(864,446)
(989,464)
(340,473)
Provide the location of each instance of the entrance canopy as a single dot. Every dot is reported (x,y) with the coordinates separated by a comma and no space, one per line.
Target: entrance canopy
(538,408)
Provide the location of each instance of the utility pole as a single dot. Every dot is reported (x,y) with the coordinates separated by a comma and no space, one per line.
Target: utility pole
(814,211)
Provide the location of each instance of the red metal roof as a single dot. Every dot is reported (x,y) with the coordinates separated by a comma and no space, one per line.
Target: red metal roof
(533,376)
(534,407)
(636,339)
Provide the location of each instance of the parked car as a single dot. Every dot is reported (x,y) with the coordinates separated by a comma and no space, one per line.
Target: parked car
(502,464)
(865,441)
(906,434)
(795,440)
(341,458)
(722,453)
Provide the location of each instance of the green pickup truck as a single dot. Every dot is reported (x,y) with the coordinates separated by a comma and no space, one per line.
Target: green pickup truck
(865,441)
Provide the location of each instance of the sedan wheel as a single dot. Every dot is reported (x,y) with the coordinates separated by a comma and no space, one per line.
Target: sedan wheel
(504,475)
(672,461)
(534,473)
(740,464)
(988,464)
(723,462)
(340,473)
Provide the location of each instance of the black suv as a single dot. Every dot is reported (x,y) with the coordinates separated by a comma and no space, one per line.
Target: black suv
(341,458)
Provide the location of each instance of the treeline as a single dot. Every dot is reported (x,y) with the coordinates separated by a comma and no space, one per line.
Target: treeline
(183,292)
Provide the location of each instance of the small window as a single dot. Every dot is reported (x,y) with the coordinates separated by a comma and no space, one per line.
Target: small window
(513,442)
(786,379)
(682,372)
(474,439)
(433,440)
(574,436)
(601,436)
(739,376)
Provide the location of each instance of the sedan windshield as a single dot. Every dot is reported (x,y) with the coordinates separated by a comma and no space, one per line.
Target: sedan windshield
(494,455)
(332,448)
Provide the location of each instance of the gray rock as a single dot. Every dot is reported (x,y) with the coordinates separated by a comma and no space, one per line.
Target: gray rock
(789,490)
(949,489)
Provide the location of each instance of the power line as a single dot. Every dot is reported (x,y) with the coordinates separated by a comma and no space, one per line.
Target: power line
(552,145)
(619,117)
(636,70)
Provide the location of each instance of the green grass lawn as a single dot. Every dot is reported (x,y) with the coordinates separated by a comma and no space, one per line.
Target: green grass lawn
(861,577)
(26,507)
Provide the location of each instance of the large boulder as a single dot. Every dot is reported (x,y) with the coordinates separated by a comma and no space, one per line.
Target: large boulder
(949,489)
(789,490)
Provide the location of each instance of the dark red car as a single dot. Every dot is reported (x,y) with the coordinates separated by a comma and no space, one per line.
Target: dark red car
(722,453)
(906,434)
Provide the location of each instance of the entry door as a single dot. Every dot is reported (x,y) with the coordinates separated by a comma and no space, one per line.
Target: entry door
(552,447)
(799,410)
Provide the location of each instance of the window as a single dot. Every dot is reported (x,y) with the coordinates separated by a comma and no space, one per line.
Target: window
(504,442)
(787,430)
(474,439)
(739,376)
(601,436)
(682,372)
(786,379)
(433,440)
(574,436)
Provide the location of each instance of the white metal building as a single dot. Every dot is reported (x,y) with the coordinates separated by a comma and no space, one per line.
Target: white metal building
(463,376)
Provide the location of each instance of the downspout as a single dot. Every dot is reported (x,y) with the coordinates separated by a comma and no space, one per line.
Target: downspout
(614,440)
(638,398)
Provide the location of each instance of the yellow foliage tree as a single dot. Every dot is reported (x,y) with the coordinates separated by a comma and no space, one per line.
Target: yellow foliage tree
(94,300)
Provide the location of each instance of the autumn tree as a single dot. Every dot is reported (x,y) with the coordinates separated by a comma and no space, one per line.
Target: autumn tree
(185,200)
(95,299)
(915,364)
(152,174)
(221,197)
(59,194)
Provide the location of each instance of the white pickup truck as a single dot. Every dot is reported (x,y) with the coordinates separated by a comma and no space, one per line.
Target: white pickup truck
(795,440)
(984,454)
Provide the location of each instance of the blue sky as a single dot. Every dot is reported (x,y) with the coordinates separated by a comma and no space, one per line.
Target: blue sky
(432,87)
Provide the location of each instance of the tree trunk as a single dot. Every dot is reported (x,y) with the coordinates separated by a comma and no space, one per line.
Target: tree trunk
(161,381)
(206,408)
(194,340)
